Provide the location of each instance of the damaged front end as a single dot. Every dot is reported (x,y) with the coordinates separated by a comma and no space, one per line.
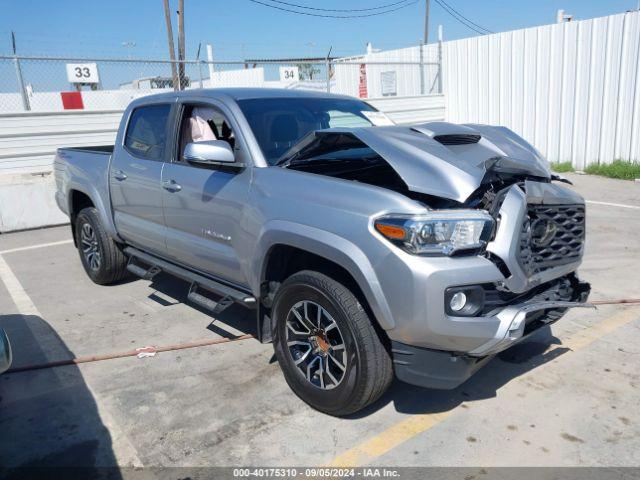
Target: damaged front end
(538,246)
(536,239)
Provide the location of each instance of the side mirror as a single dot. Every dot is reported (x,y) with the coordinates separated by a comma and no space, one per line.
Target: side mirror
(210,152)
(5,352)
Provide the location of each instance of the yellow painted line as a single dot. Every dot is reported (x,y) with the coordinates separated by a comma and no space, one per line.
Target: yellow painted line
(587,336)
(389,439)
(414,425)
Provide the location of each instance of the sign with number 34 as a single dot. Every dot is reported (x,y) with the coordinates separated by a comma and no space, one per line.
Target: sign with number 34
(82,73)
(289,74)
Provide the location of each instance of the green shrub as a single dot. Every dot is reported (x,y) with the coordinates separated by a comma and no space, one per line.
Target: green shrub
(562,167)
(618,169)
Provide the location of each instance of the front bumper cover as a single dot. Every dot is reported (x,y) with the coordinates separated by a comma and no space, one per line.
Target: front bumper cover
(440,369)
(516,324)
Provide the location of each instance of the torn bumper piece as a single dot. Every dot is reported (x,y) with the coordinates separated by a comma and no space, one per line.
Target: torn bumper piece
(446,370)
(433,368)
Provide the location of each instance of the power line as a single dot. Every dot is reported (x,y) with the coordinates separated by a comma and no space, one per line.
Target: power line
(381,7)
(459,14)
(309,14)
(462,19)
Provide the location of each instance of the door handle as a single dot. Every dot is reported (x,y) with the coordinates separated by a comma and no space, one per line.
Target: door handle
(119,175)
(171,186)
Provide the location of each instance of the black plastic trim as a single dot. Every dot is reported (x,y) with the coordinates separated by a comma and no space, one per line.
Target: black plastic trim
(436,369)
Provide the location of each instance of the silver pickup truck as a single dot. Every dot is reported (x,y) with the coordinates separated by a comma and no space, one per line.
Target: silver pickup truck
(365,248)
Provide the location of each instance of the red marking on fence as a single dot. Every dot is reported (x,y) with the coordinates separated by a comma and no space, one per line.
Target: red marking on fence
(362,84)
(72,100)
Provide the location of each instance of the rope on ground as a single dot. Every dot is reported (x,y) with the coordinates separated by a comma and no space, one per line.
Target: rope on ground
(206,343)
(130,353)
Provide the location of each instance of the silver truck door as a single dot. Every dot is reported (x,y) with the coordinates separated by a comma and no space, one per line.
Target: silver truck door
(135,178)
(203,205)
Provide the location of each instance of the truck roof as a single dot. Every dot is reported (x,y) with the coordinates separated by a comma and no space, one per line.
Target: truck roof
(245,93)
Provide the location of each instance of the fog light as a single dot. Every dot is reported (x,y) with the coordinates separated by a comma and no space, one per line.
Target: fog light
(458,301)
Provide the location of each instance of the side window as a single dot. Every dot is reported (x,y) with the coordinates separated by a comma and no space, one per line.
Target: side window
(201,123)
(346,120)
(146,135)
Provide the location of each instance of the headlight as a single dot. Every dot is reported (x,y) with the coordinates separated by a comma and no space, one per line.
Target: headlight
(442,232)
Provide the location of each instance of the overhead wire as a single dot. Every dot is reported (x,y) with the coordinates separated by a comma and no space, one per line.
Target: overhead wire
(311,14)
(462,19)
(380,7)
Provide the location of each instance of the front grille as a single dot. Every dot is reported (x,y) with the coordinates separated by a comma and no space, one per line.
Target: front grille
(552,235)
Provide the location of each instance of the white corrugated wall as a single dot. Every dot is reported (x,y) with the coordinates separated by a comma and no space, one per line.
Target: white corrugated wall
(28,141)
(571,89)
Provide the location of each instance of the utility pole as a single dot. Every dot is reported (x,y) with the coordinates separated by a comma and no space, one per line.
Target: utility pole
(172,51)
(426,22)
(440,38)
(425,41)
(16,61)
(181,48)
(199,63)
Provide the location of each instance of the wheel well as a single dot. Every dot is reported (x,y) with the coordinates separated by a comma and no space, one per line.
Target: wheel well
(79,200)
(285,260)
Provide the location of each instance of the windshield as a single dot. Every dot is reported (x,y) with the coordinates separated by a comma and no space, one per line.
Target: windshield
(278,123)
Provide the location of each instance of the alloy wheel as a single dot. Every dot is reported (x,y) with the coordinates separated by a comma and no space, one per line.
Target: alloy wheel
(316,344)
(89,245)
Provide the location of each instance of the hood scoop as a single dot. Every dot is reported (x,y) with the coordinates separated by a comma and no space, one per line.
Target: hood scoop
(449,133)
(457,139)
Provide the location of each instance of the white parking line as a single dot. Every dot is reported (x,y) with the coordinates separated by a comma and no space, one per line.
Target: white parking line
(123,450)
(22,301)
(620,205)
(32,247)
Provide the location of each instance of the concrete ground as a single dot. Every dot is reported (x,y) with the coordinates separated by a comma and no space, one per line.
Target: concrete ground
(566,397)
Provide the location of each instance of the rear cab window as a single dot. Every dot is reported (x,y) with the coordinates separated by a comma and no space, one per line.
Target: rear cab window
(146,135)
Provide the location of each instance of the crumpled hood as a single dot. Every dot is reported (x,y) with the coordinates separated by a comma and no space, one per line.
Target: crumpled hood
(450,171)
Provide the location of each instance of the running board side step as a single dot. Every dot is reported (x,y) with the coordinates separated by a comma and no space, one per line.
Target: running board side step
(144,273)
(207,303)
(229,294)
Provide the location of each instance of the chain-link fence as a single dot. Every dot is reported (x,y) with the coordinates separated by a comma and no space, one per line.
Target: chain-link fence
(54,84)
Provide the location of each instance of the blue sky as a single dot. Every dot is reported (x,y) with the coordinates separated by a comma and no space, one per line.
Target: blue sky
(239,28)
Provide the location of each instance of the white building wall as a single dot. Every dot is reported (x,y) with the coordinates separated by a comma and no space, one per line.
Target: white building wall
(571,89)
(408,78)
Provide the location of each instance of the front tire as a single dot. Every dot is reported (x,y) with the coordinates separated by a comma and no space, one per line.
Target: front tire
(330,353)
(101,257)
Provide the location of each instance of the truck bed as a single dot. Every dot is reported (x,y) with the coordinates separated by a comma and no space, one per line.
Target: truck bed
(83,169)
(102,149)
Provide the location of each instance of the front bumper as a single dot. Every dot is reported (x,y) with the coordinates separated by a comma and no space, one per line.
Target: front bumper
(416,291)
(446,370)
(519,321)
(416,295)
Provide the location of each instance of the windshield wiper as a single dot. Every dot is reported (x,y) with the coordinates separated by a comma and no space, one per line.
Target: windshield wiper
(285,160)
(330,161)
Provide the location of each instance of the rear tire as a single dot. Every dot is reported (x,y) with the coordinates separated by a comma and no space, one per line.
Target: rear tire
(314,315)
(101,257)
